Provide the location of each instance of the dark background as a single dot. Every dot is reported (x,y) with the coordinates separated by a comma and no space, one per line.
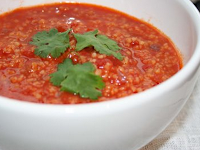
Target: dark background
(197,4)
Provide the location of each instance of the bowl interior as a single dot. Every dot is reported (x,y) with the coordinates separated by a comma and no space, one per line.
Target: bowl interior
(179,24)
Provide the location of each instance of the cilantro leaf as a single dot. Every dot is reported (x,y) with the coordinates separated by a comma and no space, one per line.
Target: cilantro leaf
(51,43)
(78,79)
(60,75)
(101,43)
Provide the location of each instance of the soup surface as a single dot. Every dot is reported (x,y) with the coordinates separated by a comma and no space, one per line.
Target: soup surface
(148,56)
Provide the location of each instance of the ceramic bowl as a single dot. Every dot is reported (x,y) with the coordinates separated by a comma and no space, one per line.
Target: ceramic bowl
(123,124)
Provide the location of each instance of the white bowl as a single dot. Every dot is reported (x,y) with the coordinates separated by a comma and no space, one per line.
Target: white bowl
(124,124)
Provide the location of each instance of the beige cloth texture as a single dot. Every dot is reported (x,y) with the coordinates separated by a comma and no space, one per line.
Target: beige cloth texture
(184,132)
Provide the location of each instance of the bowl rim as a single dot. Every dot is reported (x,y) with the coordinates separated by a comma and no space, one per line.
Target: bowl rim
(120,103)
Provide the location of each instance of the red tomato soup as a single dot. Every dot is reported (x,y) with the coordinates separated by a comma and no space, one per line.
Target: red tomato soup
(149,57)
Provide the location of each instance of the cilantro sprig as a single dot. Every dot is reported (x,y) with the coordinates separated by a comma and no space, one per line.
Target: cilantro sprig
(101,43)
(51,43)
(78,79)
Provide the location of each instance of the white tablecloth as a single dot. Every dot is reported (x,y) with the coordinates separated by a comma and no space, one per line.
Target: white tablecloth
(184,132)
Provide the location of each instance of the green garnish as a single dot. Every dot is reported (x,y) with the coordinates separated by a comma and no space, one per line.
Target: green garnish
(101,43)
(78,79)
(51,43)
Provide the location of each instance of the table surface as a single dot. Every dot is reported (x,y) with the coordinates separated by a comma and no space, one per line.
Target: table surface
(184,132)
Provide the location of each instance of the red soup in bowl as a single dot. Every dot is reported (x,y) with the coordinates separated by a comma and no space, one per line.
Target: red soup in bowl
(71,53)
